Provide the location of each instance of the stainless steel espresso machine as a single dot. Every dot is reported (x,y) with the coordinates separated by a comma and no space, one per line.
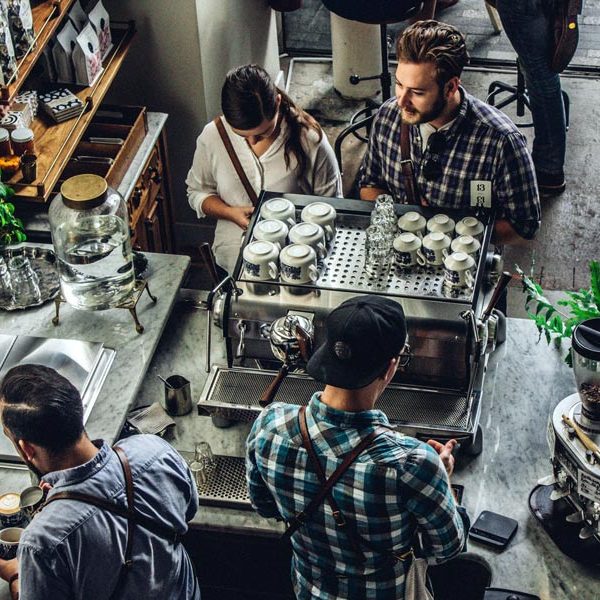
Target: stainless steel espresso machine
(270,328)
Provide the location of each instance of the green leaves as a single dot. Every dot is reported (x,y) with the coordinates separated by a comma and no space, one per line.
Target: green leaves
(12,230)
(550,320)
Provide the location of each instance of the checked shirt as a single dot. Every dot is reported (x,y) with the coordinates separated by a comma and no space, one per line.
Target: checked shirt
(397,486)
(482,144)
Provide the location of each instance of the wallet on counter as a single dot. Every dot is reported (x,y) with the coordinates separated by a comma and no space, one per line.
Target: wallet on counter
(493,529)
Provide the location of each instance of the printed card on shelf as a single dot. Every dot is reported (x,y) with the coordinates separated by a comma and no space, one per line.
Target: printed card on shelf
(8,63)
(101,23)
(86,57)
(20,20)
(60,104)
(62,52)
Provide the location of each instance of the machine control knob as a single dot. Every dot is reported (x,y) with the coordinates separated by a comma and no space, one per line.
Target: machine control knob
(570,432)
(590,457)
(265,330)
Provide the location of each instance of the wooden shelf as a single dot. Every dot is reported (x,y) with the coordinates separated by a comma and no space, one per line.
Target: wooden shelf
(47,17)
(55,143)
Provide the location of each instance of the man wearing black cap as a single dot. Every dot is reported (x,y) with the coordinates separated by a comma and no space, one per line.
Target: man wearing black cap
(353,541)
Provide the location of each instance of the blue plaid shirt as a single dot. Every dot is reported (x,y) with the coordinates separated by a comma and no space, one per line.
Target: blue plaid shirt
(482,144)
(396,487)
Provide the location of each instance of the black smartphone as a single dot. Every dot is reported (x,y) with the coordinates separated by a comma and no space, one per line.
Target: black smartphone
(493,529)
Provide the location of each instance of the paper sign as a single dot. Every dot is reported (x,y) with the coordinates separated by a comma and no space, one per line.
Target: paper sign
(481,193)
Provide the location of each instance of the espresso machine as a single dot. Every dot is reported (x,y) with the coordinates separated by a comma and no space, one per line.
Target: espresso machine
(574,438)
(270,328)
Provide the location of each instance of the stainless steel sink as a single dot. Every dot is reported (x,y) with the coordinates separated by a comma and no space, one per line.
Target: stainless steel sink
(84,364)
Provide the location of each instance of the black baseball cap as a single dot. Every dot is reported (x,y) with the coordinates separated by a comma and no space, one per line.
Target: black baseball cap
(363,334)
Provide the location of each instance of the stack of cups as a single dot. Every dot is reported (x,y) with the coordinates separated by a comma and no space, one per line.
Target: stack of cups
(384,216)
(377,249)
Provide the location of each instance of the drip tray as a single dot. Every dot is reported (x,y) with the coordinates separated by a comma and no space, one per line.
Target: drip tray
(226,484)
(233,393)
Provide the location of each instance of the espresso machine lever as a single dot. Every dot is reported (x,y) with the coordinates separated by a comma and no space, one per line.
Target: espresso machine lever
(242,328)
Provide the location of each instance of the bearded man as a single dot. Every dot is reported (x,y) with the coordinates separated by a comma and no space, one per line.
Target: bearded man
(463,152)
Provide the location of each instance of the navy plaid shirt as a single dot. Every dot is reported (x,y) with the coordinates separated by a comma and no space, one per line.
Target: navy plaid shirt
(482,144)
(396,487)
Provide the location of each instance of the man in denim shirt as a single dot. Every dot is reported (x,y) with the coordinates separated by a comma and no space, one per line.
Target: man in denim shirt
(75,550)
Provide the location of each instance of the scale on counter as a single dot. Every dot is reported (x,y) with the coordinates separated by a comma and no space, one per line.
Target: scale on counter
(84,364)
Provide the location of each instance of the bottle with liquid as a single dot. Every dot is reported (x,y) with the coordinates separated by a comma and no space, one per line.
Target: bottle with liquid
(90,233)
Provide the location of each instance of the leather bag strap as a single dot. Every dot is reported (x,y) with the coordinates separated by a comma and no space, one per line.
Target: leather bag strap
(237,165)
(407,167)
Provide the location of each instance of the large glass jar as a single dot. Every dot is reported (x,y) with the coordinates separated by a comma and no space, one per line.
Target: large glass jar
(90,233)
(585,345)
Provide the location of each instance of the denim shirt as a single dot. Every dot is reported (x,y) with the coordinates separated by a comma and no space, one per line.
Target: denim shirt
(75,550)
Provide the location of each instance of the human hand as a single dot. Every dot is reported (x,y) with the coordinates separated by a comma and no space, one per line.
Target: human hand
(240,215)
(8,568)
(445,452)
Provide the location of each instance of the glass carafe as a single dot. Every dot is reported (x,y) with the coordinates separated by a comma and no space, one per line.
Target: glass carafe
(90,233)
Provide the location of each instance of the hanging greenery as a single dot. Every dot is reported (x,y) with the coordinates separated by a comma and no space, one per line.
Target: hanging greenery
(557,321)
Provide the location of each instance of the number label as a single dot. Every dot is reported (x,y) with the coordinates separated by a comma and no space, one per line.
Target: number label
(481,193)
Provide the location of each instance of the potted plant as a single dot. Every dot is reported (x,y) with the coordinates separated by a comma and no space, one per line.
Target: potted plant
(11,227)
(557,321)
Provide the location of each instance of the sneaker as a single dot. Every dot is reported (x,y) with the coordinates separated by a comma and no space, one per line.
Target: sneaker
(550,184)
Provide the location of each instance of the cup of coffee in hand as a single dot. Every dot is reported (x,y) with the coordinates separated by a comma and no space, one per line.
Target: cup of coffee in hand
(9,542)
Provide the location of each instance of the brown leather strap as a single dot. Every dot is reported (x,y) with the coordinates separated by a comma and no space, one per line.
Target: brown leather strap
(235,161)
(129,494)
(407,166)
(327,484)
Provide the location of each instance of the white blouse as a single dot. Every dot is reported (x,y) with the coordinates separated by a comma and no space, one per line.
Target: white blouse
(212,173)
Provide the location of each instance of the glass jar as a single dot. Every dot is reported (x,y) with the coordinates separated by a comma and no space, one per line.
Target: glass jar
(90,233)
(585,346)
(22,141)
(5,149)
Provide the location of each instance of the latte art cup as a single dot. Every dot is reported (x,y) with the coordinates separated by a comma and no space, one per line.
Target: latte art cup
(271,230)
(407,250)
(458,270)
(413,222)
(298,264)
(436,247)
(279,208)
(442,223)
(260,260)
(322,214)
(311,234)
(467,244)
(470,226)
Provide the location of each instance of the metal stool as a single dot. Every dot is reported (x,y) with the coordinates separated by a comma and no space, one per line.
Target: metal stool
(382,13)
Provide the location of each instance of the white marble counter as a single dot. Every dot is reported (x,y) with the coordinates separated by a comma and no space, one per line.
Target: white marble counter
(525,380)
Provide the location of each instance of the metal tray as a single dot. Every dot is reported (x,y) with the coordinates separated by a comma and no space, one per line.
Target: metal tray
(43,263)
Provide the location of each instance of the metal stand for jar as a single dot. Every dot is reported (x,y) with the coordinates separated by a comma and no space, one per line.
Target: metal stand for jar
(130,303)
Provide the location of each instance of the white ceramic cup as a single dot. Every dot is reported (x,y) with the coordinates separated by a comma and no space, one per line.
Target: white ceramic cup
(458,269)
(298,264)
(322,214)
(407,250)
(467,244)
(9,542)
(271,230)
(413,222)
(279,208)
(470,226)
(311,234)
(260,260)
(442,223)
(436,247)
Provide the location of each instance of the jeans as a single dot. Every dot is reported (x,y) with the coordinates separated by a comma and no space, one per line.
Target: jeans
(529,29)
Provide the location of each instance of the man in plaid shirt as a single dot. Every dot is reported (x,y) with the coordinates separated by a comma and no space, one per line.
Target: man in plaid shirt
(396,488)
(464,152)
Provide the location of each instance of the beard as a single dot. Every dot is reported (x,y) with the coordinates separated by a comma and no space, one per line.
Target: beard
(416,117)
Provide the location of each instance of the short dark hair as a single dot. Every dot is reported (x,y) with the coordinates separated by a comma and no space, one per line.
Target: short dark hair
(40,406)
(438,43)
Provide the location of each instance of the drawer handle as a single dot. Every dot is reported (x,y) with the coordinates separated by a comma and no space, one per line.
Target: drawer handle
(155,175)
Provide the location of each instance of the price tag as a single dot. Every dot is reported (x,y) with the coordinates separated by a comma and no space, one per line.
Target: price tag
(589,486)
(481,193)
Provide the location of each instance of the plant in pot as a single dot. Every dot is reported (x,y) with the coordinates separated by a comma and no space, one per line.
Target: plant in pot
(11,227)
(556,321)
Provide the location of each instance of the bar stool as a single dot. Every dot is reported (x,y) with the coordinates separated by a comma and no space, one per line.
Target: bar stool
(382,13)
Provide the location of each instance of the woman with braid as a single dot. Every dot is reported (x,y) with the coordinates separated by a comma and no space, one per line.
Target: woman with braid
(280,148)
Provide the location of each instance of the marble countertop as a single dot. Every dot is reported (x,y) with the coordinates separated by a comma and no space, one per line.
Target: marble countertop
(524,382)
